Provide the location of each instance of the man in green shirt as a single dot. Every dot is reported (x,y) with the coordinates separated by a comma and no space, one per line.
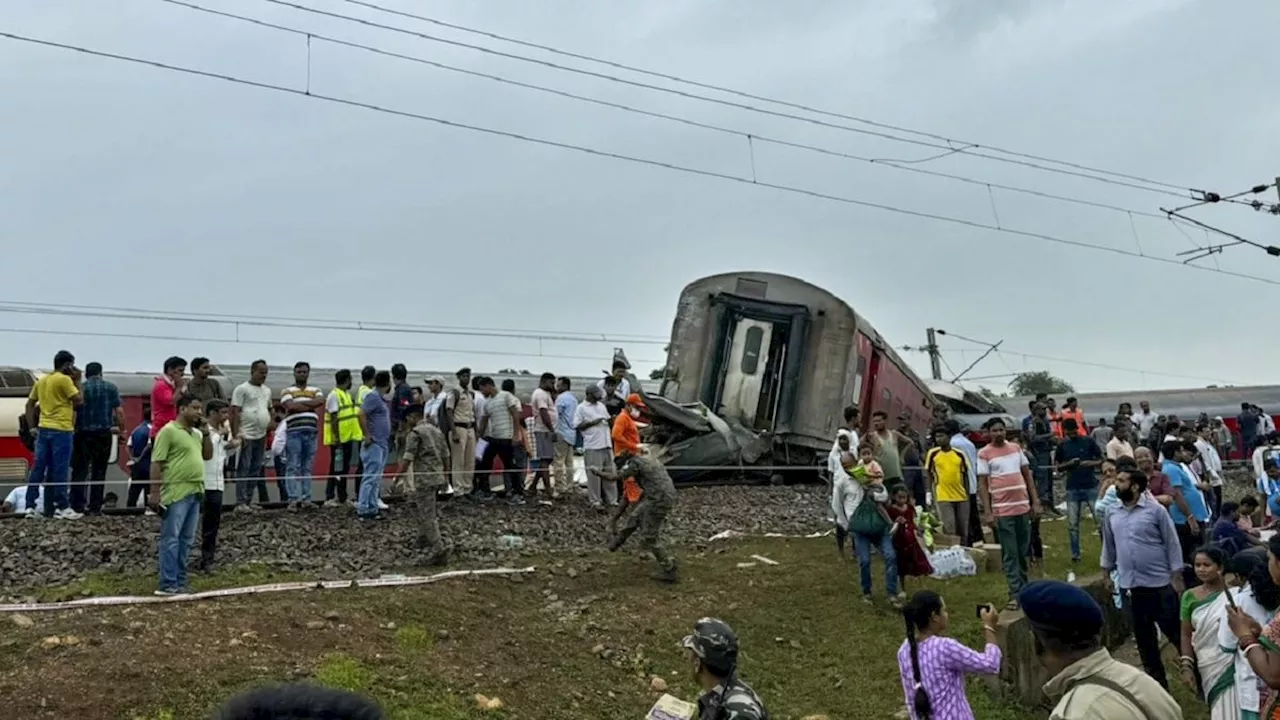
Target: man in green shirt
(177,489)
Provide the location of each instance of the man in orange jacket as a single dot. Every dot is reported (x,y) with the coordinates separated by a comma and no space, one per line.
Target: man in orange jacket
(626,440)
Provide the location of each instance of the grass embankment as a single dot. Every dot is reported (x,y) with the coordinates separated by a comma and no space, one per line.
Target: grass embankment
(581,638)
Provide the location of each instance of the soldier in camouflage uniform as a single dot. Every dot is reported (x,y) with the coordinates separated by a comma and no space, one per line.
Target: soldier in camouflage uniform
(658,497)
(713,647)
(426,457)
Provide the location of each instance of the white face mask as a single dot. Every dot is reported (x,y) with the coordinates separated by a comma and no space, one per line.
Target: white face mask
(635,413)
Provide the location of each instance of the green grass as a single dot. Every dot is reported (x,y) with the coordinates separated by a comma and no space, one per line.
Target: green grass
(809,646)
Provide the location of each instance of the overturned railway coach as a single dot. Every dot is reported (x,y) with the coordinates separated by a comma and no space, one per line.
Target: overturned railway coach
(779,355)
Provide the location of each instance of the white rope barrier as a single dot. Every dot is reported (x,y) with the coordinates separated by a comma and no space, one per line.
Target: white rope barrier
(384,581)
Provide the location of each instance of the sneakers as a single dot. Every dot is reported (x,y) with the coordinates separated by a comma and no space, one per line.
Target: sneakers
(163,592)
(515,500)
(67,514)
(243,509)
(333,503)
(31,514)
(149,512)
(382,505)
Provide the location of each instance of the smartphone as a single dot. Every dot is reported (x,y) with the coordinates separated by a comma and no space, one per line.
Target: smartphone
(980,608)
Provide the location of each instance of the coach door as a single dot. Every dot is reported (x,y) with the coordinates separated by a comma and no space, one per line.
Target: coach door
(747,372)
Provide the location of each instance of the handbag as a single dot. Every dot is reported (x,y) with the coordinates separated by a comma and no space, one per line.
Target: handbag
(867,519)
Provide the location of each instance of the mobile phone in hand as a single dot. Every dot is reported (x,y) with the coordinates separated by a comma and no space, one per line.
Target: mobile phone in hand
(982,607)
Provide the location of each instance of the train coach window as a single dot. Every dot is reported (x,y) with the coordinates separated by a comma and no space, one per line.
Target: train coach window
(857,378)
(751,349)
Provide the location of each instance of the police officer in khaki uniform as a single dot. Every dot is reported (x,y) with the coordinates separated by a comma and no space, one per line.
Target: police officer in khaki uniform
(713,649)
(460,421)
(657,499)
(425,465)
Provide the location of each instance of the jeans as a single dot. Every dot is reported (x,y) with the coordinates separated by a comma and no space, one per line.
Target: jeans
(373,459)
(91,449)
(862,544)
(1077,500)
(1014,535)
(250,471)
(343,460)
(301,458)
(51,469)
(177,533)
(1152,608)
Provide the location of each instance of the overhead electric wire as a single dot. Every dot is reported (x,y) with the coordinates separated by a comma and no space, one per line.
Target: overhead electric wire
(307,344)
(608,154)
(335,325)
(1085,363)
(1177,192)
(903,165)
(752,96)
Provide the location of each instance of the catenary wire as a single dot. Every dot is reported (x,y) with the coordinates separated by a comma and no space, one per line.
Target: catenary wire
(307,344)
(1088,363)
(1179,192)
(35,309)
(902,165)
(762,98)
(614,156)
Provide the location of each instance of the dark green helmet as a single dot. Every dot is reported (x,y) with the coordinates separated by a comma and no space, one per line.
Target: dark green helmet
(715,643)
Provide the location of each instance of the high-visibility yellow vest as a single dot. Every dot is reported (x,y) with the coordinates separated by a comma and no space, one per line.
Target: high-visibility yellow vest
(348,420)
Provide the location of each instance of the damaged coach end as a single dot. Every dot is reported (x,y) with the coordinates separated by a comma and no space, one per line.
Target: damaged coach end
(759,371)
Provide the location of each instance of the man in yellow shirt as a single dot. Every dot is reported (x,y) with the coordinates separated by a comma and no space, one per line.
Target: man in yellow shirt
(57,395)
(948,471)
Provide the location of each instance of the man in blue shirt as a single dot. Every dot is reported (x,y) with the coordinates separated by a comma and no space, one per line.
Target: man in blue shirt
(1190,533)
(140,460)
(1078,457)
(375,424)
(1139,541)
(99,422)
(566,436)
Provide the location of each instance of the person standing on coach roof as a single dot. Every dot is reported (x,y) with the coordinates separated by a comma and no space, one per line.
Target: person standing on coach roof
(1086,682)
(250,420)
(303,404)
(99,425)
(713,652)
(58,395)
(460,409)
(165,393)
(342,435)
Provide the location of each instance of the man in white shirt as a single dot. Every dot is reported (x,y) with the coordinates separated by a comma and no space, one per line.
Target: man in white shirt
(1145,420)
(218,427)
(16,502)
(250,420)
(1212,464)
(620,374)
(544,422)
(592,420)
(1119,446)
(436,397)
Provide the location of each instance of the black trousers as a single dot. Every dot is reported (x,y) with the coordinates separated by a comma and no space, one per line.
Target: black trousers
(502,449)
(343,458)
(210,521)
(90,451)
(1190,542)
(1152,608)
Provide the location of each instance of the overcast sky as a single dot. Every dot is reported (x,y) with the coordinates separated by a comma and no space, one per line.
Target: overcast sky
(129,186)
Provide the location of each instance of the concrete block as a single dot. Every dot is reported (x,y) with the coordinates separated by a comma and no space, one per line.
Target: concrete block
(982,558)
(944,540)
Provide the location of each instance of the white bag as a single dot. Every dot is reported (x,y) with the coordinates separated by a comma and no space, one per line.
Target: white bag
(952,562)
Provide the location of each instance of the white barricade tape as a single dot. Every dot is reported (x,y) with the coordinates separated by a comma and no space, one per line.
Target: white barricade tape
(385,581)
(733,534)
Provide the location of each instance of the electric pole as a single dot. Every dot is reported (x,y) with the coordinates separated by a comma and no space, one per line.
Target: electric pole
(934,356)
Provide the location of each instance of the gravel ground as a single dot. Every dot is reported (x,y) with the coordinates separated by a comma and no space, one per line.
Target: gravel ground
(329,543)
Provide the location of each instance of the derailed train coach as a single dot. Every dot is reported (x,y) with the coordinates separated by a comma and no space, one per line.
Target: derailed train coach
(777,359)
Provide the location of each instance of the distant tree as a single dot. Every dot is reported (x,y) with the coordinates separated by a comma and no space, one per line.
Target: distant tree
(1039,381)
(513,371)
(657,373)
(989,394)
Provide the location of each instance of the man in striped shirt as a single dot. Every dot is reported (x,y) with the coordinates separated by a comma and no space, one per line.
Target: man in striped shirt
(1009,501)
(302,407)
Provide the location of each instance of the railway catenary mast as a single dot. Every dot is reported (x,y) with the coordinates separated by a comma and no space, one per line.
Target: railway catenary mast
(780,355)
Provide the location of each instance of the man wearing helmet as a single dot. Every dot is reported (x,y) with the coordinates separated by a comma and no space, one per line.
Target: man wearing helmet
(713,649)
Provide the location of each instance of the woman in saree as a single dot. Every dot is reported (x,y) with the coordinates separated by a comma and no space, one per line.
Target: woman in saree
(1204,662)
(1260,644)
(1256,595)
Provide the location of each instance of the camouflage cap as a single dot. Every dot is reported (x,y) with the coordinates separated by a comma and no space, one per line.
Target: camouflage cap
(714,642)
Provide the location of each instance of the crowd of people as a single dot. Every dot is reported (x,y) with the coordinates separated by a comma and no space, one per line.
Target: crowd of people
(447,439)
(1180,558)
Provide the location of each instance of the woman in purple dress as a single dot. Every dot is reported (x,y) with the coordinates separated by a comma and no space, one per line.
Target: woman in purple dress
(933,666)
